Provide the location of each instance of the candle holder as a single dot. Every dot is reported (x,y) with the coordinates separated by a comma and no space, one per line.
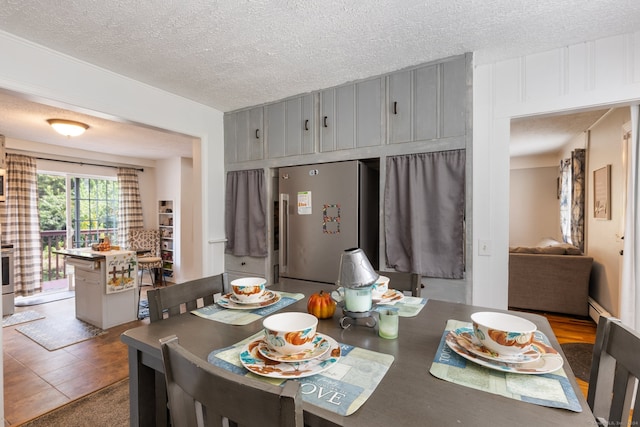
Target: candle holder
(356,277)
(351,318)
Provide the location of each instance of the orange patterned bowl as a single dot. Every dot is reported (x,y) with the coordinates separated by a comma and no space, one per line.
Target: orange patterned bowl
(290,333)
(248,289)
(502,333)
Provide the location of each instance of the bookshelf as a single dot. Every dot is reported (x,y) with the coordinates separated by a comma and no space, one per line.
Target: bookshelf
(167,248)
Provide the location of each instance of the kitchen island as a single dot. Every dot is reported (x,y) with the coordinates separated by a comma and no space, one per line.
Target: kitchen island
(105,284)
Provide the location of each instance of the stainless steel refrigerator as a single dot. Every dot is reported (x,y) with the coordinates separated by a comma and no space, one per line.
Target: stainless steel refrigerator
(325,209)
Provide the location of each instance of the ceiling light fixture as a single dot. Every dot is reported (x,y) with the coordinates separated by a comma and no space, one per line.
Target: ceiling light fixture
(68,128)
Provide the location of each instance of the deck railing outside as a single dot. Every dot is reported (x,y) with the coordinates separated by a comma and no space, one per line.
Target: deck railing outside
(53,265)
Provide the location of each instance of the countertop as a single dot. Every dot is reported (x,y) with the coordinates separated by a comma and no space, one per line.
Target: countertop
(86,253)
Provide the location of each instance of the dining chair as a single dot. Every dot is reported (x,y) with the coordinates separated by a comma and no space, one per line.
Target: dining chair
(410,282)
(203,394)
(183,297)
(615,369)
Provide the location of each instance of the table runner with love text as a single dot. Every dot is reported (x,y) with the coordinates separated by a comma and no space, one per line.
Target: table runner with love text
(550,389)
(342,389)
(244,317)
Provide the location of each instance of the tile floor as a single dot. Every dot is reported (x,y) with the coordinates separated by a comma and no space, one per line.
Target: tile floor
(37,380)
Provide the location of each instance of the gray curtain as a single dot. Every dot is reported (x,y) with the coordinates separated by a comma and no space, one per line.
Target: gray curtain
(424,213)
(129,204)
(246,213)
(21,223)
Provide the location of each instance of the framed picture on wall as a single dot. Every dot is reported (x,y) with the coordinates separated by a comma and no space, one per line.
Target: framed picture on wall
(3,175)
(602,193)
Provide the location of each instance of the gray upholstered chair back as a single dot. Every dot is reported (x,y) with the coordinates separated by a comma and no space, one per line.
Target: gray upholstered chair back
(409,282)
(615,370)
(179,298)
(198,390)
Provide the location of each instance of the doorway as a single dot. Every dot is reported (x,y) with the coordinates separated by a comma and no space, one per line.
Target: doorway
(75,212)
(535,179)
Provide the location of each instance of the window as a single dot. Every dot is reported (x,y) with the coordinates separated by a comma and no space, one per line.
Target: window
(94,207)
(87,215)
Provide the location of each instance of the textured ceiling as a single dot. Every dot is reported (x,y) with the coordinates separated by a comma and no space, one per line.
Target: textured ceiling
(233,54)
(535,135)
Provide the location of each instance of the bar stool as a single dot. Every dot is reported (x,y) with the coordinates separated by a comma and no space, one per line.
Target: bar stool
(147,243)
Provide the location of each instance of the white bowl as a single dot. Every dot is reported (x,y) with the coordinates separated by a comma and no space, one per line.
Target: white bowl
(504,334)
(290,333)
(248,289)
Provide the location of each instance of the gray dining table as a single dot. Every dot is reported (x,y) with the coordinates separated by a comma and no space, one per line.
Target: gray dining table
(408,395)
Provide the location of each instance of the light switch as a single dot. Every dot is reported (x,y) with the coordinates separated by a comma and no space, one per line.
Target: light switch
(484,247)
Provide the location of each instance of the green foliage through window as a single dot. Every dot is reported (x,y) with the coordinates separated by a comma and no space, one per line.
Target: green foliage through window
(93,209)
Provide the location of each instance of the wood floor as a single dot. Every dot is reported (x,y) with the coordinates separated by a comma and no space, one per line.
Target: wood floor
(570,329)
(37,380)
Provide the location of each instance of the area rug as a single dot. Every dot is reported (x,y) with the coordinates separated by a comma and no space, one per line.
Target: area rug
(43,298)
(106,407)
(21,317)
(143,309)
(53,334)
(579,356)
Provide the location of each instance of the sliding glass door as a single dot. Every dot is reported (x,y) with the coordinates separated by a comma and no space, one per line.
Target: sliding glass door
(75,212)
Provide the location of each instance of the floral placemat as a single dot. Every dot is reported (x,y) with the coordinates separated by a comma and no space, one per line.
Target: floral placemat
(244,317)
(550,389)
(341,389)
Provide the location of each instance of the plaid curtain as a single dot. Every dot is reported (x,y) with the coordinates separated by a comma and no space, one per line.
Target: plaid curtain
(130,205)
(21,223)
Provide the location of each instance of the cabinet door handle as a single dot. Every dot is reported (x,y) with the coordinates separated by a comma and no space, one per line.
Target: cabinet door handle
(306,124)
(257,133)
(395,107)
(324,122)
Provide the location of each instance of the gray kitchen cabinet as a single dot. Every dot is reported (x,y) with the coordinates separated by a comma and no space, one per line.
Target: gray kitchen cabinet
(351,116)
(428,102)
(230,138)
(454,94)
(238,267)
(244,135)
(290,127)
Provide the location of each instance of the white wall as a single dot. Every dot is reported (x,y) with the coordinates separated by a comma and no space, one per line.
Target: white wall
(603,241)
(590,74)
(64,80)
(534,208)
(52,77)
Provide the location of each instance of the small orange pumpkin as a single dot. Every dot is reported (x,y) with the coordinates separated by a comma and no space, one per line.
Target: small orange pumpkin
(321,305)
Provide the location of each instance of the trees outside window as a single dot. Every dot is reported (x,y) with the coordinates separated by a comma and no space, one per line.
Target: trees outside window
(89,214)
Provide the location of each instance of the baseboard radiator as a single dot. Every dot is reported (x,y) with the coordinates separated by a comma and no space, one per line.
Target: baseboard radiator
(596,310)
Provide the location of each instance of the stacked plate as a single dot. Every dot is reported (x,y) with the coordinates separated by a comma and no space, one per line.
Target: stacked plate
(258,358)
(290,347)
(539,359)
(232,301)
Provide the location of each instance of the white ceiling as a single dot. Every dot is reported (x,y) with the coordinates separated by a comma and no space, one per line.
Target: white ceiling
(233,54)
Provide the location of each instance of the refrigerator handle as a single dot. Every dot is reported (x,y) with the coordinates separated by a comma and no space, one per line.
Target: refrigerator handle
(284,231)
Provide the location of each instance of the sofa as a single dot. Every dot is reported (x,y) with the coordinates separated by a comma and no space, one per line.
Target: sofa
(552,278)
